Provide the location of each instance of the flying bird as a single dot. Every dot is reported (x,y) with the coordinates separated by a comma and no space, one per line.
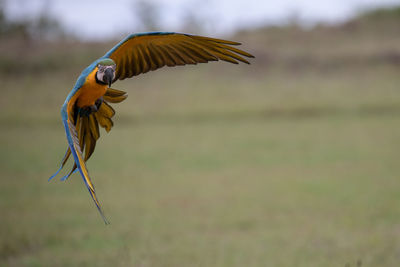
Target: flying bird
(87,106)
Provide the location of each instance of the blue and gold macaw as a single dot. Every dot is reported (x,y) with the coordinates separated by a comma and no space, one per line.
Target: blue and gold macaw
(87,105)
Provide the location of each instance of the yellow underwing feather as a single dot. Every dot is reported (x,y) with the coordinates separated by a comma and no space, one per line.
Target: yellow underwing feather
(79,154)
(81,131)
(218,51)
(191,52)
(127,64)
(142,53)
(169,59)
(106,110)
(144,64)
(234,49)
(94,127)
(114,95)
(114,92)
(202,48)
(115,99)
(136,64)
(150,57)
(90,142)
(175,55)
(187,59)
(163,56)
(104,121)
(81,163)
(156,56)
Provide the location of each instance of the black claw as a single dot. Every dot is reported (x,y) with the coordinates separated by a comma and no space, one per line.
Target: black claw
(93,108)
(86,111)
(99,102)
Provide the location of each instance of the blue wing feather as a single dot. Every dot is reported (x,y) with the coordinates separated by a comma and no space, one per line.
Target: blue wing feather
(61,166)
(65,118)
(78,84)
(81,80)
(74,153)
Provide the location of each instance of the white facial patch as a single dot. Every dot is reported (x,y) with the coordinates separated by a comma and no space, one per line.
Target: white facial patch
(100,75)
(102,69)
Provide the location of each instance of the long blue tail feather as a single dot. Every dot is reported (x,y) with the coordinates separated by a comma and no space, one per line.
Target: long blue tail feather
(61,166)
(65,177)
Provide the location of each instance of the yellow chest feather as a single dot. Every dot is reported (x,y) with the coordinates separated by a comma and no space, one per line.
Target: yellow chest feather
(90,91)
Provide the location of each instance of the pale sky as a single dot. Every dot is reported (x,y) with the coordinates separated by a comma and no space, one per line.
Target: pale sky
(99,19)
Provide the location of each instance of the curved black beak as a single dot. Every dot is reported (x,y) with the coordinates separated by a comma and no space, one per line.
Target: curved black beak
(108,76)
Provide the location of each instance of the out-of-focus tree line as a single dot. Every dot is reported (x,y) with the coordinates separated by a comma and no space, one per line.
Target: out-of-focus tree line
(42,43)
(43,27)
(147,16)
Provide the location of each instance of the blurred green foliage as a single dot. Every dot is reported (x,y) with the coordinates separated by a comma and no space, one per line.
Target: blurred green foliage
(381,14)
(42,28)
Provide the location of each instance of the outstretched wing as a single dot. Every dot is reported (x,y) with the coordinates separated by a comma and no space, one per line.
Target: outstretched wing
(136,54)
(140,53)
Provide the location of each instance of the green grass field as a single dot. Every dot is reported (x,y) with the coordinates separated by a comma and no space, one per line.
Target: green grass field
(291,161)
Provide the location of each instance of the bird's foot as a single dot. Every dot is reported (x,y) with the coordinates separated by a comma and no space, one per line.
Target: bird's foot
(86,111)
(99,102)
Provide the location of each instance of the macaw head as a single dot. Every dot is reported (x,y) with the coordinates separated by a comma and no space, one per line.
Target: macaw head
(106,71)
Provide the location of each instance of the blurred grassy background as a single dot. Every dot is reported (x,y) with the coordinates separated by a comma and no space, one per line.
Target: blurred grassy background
(291,161)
